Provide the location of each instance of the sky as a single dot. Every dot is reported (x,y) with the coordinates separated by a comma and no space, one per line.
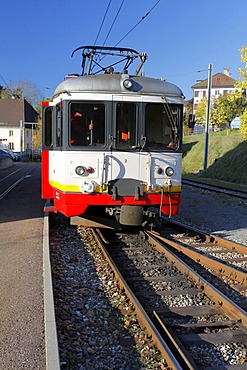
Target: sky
(180,37)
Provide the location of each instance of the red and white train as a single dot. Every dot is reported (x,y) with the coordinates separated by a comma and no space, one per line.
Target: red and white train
(112,141)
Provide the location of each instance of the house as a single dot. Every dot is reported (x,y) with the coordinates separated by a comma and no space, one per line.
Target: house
(18,124)
(222,84)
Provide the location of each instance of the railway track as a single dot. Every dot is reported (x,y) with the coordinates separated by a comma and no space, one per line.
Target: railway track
(194,317)
(194,313)
(14,177)
(218,189)
(225,259)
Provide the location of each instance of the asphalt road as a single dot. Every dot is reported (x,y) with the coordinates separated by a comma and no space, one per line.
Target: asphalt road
(21,272)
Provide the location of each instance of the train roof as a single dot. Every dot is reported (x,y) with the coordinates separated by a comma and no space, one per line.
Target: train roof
(113,83)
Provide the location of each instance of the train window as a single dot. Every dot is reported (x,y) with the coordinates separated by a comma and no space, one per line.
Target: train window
(48,126)
(125,125)
(87,124)
(59,125)
(161,123)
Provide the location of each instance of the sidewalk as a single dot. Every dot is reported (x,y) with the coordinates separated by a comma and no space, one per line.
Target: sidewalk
(21,276)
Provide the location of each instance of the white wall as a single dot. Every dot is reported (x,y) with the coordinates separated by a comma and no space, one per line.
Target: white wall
(14,141)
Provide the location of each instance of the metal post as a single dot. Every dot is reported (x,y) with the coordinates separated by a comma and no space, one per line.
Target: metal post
(32,142)
(210,67)
(21,138)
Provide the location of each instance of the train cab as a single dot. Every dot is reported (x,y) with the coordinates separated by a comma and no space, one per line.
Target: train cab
(112,143)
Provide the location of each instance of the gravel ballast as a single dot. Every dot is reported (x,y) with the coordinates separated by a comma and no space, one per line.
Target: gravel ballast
(92,332)
(218,214)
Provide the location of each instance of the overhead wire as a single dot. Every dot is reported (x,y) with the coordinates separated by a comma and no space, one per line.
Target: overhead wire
(117,14)
(119,9)
(103,21)
(137,24)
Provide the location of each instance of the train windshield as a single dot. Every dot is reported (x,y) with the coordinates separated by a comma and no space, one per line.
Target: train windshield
(126,116)
(162,126)
(87,124)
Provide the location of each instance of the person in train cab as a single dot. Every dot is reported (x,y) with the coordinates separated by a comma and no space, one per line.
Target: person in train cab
(172,145)
(90,126)
(79,131)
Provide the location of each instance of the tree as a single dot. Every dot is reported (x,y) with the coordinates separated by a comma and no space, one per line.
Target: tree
(4,92)
(227,107)
(242,88)
(201,111)
(222,111)
(23,89)
(1,91)
(37,142)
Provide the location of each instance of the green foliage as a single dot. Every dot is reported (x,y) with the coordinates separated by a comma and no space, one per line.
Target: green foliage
(231,166)
(3,92)
(222,109)
(38,139)
(243,85)
(226,107)
(227,156)
(243,126)
(201,111)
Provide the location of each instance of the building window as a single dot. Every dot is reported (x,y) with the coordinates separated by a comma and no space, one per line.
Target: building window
(217,92)
(11,146)
(11,133)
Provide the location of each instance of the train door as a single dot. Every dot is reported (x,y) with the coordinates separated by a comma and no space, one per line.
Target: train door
(47,146)
(123,162)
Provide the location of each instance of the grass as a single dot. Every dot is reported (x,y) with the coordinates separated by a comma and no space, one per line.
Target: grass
(227,159)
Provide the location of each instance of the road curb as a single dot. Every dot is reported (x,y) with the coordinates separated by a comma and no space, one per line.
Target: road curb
(51,341)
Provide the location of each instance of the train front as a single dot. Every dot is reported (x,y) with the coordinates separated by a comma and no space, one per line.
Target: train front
(112,145)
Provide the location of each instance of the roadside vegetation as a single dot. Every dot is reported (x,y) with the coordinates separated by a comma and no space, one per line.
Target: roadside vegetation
(225,108)
(227,149)
(227,158)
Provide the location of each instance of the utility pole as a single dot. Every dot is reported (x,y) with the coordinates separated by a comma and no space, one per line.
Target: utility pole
(21,137)
(210,67)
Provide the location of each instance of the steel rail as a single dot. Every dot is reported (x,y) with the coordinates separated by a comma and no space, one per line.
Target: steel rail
(11,174)
(11,187)
(216,188)
(232,309)
(219,267)
(143,318)
(232,246)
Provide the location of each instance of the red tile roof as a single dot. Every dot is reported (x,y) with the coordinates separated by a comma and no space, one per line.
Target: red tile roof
(218,80)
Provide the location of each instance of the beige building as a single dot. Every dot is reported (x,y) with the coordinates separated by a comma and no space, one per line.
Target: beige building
(18,124)
(222,84)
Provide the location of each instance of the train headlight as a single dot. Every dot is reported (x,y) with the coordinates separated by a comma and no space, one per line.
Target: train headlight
(127,83)
(169,171)
(80,170)
(88,187)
